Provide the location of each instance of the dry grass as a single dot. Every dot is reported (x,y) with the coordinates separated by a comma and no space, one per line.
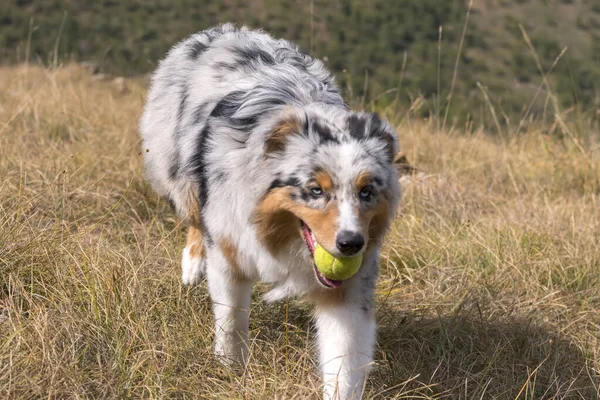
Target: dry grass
(490,284)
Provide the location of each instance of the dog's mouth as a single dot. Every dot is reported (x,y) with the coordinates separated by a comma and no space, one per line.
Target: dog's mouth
(311,243)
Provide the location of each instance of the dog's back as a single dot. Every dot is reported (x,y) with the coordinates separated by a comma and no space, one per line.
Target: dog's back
(225,67)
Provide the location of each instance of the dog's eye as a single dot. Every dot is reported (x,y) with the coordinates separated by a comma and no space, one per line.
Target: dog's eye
(366,194)
(317,191)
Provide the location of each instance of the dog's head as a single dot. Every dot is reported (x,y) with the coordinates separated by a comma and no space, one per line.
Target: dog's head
(335,182)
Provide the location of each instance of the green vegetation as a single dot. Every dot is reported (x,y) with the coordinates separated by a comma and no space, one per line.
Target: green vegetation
(374,47)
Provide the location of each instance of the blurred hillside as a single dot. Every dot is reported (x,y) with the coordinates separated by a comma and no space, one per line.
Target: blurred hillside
(373,46)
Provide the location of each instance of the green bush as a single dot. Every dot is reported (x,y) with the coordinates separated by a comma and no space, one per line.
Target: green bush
(368,40)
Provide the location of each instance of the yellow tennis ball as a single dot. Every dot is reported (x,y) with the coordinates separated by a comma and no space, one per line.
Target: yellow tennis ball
(338,269)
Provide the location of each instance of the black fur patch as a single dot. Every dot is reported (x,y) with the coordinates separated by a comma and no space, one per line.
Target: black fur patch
(200,113)
(376,127)
(228,105)
(199,164)
(182,104)
(278,183)
(199,170)
(174,167)
(195,49)
(378,130)
(324,133)
(306,124)
(244,123)
(247,56)
(233,101)
(357,126)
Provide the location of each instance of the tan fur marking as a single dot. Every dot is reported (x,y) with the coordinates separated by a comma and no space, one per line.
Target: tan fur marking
(230,252)
(363,180)
(277,217)
(278,229)
(324,180)
(195,239)
(288,126)
(195,242)
(193,206)
(277,226)
(323,223)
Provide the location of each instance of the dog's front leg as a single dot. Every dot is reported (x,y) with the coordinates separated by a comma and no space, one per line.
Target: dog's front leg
(346,336)
(230,294)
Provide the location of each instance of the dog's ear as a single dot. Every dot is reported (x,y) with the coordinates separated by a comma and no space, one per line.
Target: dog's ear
(371,125)
(290,124)
(402,165)
(400,158)
(382,129)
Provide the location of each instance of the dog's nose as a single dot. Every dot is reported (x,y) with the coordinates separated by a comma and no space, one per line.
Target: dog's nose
(349,243)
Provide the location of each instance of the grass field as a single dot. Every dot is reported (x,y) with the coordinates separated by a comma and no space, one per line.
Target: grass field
(489,286)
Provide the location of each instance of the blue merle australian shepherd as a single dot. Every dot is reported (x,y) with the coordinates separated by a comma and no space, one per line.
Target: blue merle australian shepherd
(253,145)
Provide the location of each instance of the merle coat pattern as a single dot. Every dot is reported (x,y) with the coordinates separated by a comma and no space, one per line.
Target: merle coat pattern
(253,145)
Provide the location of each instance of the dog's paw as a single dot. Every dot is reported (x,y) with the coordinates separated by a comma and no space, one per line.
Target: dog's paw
(230,352)
(192,268)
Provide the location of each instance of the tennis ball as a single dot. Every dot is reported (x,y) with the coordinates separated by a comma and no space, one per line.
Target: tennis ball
(337,269)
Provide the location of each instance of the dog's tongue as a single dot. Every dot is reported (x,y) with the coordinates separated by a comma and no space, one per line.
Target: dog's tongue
(308,238)
(331,282)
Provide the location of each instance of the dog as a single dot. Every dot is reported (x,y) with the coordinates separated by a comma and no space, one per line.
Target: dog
(252,144)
